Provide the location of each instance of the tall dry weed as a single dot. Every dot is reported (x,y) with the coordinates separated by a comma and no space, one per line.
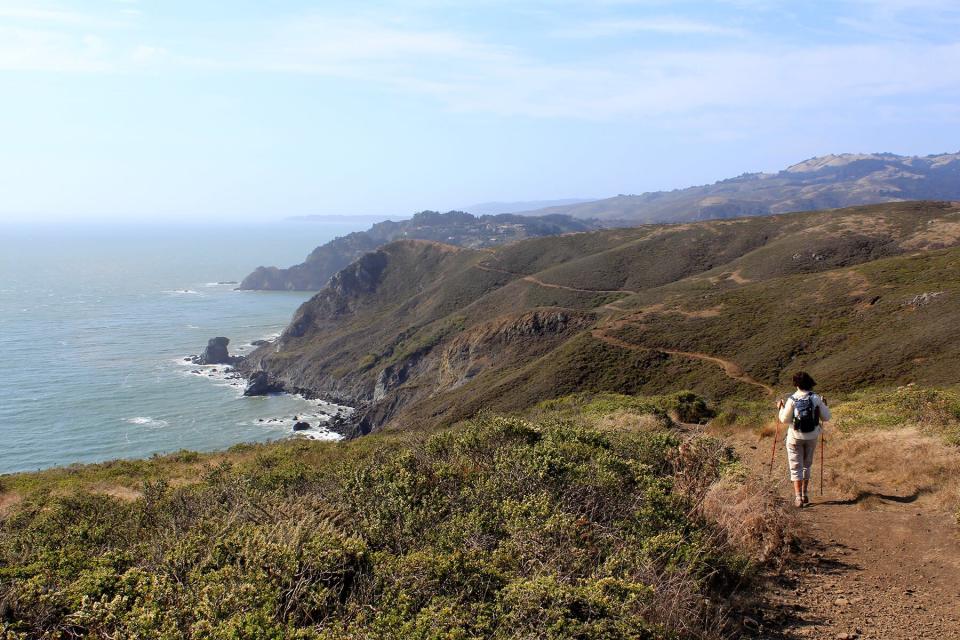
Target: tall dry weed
(752,517)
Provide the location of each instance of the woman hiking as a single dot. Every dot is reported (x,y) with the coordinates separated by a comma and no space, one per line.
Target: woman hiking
(804,411)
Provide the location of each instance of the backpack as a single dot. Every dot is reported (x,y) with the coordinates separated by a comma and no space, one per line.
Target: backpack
(806,414)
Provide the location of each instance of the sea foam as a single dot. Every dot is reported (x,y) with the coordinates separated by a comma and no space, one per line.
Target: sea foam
(146,421)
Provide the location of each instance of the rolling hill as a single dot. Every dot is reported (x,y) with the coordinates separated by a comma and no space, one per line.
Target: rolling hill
(825,182)
(422,331)
(454,227)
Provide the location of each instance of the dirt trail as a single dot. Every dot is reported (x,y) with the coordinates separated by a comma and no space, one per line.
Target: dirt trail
(878,566)
(548,285)
(730,368)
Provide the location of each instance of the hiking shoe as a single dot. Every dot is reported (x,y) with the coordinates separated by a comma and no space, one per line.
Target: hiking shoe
(798,502)
(806,499)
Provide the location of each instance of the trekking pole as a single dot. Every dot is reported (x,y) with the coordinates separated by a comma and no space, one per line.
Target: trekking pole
(823,444)
(773,449)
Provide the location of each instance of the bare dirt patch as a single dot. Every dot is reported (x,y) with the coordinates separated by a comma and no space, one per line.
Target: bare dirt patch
(8,500)
(737,277)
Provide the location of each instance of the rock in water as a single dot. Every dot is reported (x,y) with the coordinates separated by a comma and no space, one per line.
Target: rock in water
(216,351)
(301,426)
(261,383)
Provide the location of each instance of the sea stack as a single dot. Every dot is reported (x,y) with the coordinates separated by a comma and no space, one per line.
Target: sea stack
(215,352)
(261,383)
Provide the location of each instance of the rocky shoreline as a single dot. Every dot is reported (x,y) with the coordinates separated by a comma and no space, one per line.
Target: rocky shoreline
(258,382)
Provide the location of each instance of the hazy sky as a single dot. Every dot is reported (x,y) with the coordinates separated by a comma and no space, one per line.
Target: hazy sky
(245,109)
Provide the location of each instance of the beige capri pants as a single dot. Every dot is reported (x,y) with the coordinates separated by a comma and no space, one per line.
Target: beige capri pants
(800,457)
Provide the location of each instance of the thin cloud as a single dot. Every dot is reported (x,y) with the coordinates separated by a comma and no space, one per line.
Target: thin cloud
(29,16)
(663,26)
(465,71)
(468,74)
(41,50)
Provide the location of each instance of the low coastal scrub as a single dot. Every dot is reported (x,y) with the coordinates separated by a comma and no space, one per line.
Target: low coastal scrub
(500,528)
(682,406)
(935,411)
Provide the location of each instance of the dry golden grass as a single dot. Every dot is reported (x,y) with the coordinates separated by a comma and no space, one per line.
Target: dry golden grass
(904,463)
(939,233)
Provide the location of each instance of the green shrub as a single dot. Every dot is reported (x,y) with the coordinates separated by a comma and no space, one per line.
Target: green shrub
(501,528)
(935,410)
(685,406)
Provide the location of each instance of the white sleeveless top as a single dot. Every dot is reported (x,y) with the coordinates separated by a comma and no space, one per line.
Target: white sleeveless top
(786,416)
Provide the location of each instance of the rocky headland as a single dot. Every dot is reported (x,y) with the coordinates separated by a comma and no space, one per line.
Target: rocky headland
(454,227)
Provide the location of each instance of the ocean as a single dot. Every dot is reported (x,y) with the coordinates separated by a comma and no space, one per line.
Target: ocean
(95,323)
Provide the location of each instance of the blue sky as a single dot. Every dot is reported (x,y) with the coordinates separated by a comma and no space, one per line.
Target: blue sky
(242,110)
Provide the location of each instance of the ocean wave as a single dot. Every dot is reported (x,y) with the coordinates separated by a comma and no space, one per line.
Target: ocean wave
(182,292)
(270,337)
(146,421)
(221,375)
(317,421)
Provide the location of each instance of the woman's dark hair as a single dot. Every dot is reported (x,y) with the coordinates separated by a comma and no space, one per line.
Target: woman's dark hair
(803,381)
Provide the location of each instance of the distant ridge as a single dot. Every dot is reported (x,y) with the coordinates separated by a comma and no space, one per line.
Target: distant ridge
(825,182)
(494,208)
(336,217)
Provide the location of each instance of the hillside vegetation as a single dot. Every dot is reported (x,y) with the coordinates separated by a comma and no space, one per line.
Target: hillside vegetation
(454,227)
(426,331)
(502,528)
(843,180)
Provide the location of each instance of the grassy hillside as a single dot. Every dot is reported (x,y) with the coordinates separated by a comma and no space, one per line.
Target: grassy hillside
(502,528)
(423,331)
(454,227)
(818,183)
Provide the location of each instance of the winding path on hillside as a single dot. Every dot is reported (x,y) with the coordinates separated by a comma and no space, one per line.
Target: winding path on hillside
(549,285)
(730,368)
